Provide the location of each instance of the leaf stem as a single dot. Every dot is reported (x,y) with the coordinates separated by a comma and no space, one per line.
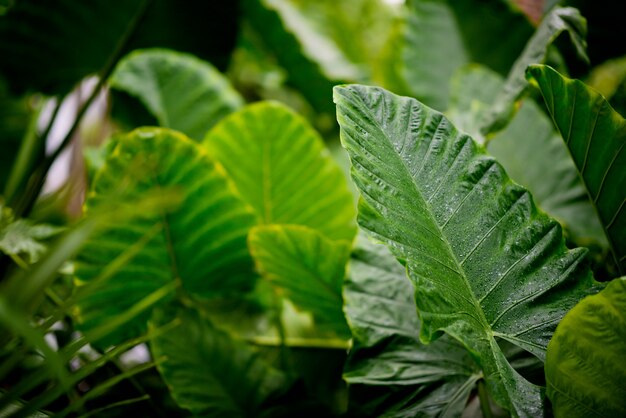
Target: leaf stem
(484,399)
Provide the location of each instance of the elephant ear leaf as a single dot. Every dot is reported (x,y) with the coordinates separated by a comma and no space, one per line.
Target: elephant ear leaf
(159,160)
(281,168)
(307,267)
(180,90)
(486,264)
(389,371)
(585,369)
(209,372)
(595,135)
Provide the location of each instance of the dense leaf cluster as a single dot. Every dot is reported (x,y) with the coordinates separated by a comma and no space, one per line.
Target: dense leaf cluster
(250,228)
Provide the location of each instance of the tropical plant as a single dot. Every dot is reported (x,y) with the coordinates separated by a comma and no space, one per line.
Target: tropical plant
(222,247)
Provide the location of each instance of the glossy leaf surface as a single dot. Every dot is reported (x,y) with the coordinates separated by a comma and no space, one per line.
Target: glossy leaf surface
(390,372)
(201,245)
(596,137)
(585,368)
(307,267)
(281,167)
(180,90)
(209,372)
(484,261)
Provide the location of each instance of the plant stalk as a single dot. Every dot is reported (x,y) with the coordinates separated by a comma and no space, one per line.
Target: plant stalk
(484,399)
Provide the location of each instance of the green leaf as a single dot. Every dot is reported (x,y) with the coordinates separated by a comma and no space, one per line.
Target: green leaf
(313,62)
(74,39)
(15,114)
(390,372)
(609,79)
(566,19)
(281,167)
(530,137)
(21,237)
(359,28)
(201,245)
(307,267)
(208,372)
(441,36)
(484,261)
(585,368)
(595,135)
(180,90)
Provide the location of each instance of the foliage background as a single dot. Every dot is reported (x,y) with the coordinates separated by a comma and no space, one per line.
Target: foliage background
(59,121)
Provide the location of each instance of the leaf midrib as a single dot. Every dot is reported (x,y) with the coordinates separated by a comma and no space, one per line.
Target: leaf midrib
(429,211)
(167,233)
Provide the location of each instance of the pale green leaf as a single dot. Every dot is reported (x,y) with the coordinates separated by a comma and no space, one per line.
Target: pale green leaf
(484,261)
(585,368)
(208,372)
(307,268)
(595,135)
(559,20)
(609,79)
(281,167)
(390,372)
(180,90)
(23,238)
(201,245)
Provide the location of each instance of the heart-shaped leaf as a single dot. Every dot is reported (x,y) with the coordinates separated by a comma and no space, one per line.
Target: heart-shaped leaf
(208,372)
(307,267)
(180,90)
(201,244)
(484,261)
(585,368)
(390,372)
(281,167)
(596,137)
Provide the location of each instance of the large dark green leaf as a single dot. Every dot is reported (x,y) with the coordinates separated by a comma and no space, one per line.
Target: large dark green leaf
(281,167)
(559,20)
(201,245)
(208,372)
(595,135)
(442,35)
(391,373)
(48,46)
(585,368)
(484,261)
(307,267)
(181,91)
(530,137)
